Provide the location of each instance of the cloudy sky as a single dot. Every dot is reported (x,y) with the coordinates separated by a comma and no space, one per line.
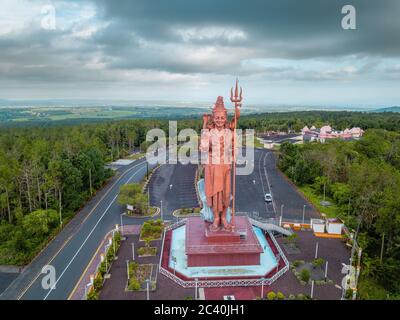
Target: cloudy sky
(284,52)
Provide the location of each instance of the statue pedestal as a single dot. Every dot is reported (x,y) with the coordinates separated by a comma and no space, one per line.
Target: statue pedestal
(221,248)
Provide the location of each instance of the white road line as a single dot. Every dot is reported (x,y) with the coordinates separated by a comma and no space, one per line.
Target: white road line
(84,220)
(266,174)
(84,242)
(262,182)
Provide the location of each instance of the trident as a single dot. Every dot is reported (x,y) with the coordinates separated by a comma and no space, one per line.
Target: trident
(237,100)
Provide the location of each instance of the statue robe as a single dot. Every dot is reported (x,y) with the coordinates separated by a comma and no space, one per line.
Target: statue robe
(218,147)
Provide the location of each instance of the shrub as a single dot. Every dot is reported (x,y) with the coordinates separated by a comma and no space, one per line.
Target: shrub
(305,275)
(134,284)
(301,296)
(271,295)
(296,263)
(102,268)
(117,238)
(349,294)
(318,262)
(280,296)
(98,282)
(292,297)
(92,295)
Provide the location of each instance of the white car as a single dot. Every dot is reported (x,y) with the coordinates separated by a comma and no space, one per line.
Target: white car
(268,197)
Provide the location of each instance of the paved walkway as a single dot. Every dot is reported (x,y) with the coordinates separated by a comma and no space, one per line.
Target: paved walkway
(79,291)
(114,288)
(332,250)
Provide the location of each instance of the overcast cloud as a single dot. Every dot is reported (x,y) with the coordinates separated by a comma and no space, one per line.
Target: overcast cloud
(285,52)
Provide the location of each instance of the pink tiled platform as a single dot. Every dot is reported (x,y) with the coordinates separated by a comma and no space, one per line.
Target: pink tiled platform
(222,248)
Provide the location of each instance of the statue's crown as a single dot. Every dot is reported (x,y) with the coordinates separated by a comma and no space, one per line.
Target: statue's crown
(219,105)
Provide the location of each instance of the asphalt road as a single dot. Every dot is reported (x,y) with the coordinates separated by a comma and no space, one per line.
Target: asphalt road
(174,186)
(70,252)
(250,190)
(266,178)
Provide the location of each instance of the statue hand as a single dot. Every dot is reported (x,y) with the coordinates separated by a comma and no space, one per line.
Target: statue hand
(206,118)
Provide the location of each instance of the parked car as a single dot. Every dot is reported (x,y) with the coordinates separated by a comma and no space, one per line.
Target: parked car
(268,197)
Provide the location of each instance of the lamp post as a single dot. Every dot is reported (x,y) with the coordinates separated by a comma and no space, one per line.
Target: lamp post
(148,288)
(161,211)
(326,270)
(280,223)
(262,288)
(304,211)
(312,289)
(316,250)
(195,293)
(122,225)
(127,269)
(133,251)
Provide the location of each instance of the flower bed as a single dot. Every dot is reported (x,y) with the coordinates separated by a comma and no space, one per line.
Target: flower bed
(306,272)
(138,274)
(152,229)
(147,251)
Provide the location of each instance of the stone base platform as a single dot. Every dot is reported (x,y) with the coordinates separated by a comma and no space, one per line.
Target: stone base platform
(221,248)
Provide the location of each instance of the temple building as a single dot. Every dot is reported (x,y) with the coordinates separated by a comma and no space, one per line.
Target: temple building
(327,132)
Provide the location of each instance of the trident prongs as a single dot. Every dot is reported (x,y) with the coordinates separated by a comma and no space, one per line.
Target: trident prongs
(237,99)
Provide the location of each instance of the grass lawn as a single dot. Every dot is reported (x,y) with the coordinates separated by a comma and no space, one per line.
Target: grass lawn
(331,212)
(152,211)
(147,251)
(135,156)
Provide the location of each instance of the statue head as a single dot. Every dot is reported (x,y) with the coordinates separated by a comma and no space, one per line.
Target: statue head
(220,114)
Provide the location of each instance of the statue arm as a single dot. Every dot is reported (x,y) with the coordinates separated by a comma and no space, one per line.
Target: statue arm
(205,140)
(233,123)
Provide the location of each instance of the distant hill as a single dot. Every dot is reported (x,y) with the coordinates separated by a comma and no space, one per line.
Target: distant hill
(389,109)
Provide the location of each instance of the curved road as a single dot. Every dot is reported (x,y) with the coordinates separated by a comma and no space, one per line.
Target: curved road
(70,252)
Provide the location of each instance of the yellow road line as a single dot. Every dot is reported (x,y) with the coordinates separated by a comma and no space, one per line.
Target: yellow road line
(70,237)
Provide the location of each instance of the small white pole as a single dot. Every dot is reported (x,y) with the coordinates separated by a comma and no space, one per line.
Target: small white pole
(316,250)
(161,213)
(326,270)
(148,289)
(312,289)
(195,293)
(133,251)
(127,268)
(122,225)
(262,288)
(304,211)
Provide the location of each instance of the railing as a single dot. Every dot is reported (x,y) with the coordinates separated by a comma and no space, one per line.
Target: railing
(219,282)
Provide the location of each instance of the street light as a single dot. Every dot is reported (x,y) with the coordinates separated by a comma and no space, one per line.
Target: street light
(312,289)
(122,225)
(161,212)
(127,269)
(195,293)
(280,223)
(148,288)
(133,251)
(262,287)
(304,211)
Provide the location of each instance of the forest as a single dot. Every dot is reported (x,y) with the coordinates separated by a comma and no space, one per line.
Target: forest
(48,172)
(362,178)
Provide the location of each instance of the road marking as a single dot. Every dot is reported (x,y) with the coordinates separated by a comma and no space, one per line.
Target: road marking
(266,174)
(262,182)
(86,239)
(70,237)
(87,267)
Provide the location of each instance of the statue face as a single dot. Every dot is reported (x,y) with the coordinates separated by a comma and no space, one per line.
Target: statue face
(219,119)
